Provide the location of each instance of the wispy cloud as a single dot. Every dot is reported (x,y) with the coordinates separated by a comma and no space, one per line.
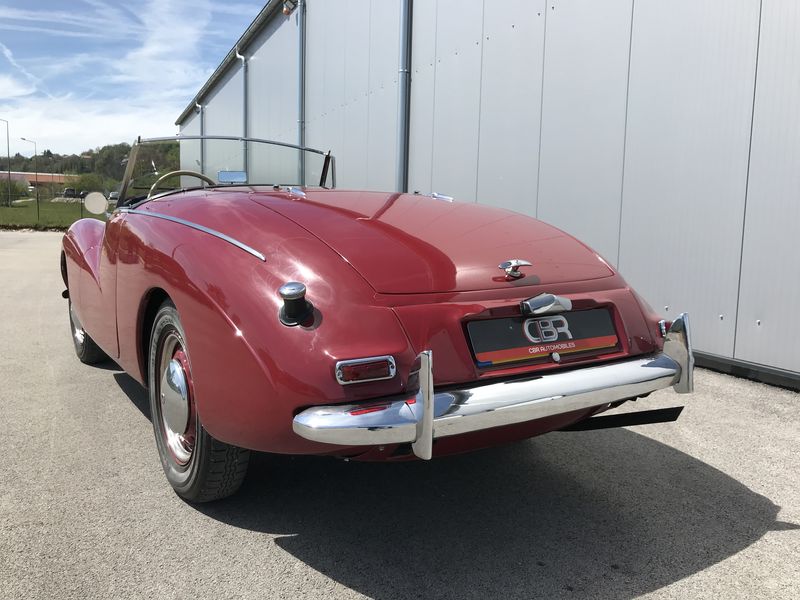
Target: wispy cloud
(134,69)
(10,58)
(11,88)
(102,22)
(160,63)
(35,82)
(71,125)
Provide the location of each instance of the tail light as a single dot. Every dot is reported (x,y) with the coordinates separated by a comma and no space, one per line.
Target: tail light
(360,370)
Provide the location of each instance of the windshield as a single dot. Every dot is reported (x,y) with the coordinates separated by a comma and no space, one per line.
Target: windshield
(161,165)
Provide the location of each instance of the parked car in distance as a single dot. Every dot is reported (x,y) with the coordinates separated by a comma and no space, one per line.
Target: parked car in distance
(265,310)
(68,193)
(113,197)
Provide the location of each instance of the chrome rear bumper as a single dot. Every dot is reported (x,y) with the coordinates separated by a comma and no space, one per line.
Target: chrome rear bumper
(427,415)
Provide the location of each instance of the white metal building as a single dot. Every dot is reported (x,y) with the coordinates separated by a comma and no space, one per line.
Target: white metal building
(664,134)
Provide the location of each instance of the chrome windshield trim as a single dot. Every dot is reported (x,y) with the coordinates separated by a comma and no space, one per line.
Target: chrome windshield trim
(214,232)
(232,138)
(328,165)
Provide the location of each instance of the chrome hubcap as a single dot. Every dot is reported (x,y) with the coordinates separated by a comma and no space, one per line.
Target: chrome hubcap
(176,402)
(174,397)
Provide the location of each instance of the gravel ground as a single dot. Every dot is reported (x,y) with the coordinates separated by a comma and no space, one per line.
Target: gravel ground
(706,507)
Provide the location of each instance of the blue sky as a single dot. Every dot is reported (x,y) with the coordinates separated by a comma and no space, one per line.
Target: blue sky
(78,74)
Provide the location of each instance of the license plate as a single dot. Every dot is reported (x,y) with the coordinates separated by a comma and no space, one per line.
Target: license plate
(513,339)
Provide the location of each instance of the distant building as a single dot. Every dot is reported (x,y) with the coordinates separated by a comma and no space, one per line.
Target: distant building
(31,179)
(663,134)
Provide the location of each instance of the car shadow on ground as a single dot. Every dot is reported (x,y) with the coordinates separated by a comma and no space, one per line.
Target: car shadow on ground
(580,515)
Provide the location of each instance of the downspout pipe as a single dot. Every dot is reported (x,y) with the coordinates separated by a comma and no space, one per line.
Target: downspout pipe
(199,108)
(245,157)
(404,95)
(301,86)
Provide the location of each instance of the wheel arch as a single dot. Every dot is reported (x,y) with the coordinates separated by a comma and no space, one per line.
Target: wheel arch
(63,264)
(150,304)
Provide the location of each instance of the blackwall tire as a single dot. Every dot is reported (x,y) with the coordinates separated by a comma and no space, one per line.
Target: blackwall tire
(198,467)
(87,351)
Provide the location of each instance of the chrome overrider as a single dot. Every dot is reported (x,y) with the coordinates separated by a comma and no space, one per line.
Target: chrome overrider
(421,418)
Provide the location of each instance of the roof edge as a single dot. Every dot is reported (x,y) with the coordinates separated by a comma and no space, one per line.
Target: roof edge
(254,29)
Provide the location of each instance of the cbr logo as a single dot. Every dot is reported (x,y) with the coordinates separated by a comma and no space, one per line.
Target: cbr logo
(546,329)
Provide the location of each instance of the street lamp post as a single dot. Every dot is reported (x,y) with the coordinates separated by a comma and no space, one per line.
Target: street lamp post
(8,153)
(36,173)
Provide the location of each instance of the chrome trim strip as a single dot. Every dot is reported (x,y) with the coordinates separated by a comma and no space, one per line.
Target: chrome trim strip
(214,232)
(425,416)
(360,361)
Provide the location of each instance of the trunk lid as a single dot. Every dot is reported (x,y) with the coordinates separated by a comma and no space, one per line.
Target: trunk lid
(408,243)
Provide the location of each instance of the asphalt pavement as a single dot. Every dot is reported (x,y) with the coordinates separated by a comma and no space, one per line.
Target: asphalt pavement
(707,507)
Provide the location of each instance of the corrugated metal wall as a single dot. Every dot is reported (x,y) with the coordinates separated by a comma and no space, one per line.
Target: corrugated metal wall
(665,135)
(272,105)
(351,88)
(223,114)
(191,155)
(768,330)
(272,81)
(583,125)
(475,98)
(688,133)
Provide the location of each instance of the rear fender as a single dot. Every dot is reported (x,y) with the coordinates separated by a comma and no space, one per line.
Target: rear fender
(251,374)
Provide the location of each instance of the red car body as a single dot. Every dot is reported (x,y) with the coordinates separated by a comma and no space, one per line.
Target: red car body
(367,325)
(388,274)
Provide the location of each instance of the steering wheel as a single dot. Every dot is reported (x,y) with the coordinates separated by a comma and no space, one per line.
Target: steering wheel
(176,173)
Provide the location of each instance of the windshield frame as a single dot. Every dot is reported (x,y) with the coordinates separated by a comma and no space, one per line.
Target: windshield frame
(328,166)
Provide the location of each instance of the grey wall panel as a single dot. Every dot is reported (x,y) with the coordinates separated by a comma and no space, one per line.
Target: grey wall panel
(510,99)
(223,107)
(456,110)
(689,116)
(351,151)
(475,99)
(583,125)
(191,124)
(272,81)
(384,60)
(325,69)
(423,78)
(770,280)
(190,149)
(351,88)
(223,114)
(272,100)
(445,102)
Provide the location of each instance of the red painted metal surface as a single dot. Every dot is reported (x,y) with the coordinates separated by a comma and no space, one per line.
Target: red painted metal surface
(388,274)
(406,243)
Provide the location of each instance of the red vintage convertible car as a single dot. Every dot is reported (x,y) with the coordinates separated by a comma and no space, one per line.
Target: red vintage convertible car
(265,314)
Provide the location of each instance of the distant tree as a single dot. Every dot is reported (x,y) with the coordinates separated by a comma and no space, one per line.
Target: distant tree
(18,190)
(90,182)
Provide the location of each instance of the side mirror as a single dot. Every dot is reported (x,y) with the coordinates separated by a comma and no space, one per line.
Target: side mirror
(95,203)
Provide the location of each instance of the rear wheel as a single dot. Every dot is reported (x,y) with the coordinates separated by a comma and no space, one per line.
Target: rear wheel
(88,352)
(198,467)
